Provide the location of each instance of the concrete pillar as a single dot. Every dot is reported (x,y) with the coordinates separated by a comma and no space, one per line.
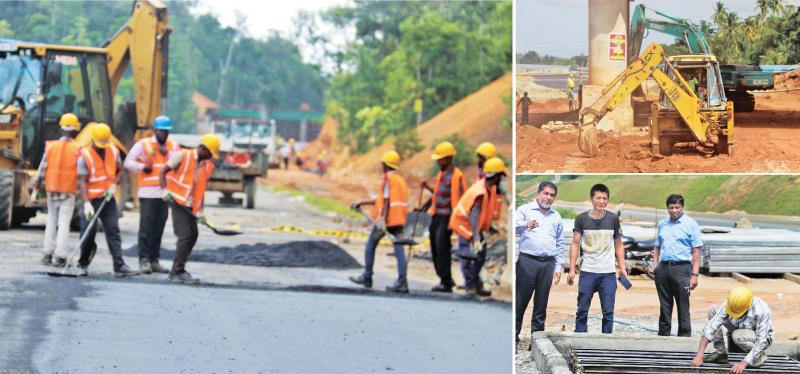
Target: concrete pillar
(608,42)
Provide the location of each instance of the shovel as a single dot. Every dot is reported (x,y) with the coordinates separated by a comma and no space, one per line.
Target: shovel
(221,232)
(70,262)
(416,218)
(394,239)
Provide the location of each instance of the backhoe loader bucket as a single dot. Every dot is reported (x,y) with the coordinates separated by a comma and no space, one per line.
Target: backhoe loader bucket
(587,134)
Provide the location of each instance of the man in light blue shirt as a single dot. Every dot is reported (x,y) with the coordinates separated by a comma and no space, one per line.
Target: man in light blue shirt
(676,264)
(540,237)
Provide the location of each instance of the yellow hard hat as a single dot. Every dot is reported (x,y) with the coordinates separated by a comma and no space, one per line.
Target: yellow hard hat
(101,133)
(493,166)
(70,121)
(391,159)
(486,149)
(442,150)
(211,142)
(291,140)
(739,302)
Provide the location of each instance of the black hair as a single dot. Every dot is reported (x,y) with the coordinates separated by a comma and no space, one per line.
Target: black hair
(675,199)
(599,188)
(546,184)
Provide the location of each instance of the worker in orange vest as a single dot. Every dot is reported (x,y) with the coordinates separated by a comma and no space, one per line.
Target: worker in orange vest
(484,152)
(471,221)
(446,192)
(146,159)
(100,171)
(59,168)
(389,215)
(184,180)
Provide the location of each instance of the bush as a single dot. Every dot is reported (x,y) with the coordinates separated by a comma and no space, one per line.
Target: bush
(407,144)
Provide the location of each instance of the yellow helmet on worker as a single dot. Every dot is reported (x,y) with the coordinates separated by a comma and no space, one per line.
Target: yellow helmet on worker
(494,165)
(101,135)
(486,149)
(291,140)
(442,150)
(212,143)
(739,301)
(391,159)
(69,122)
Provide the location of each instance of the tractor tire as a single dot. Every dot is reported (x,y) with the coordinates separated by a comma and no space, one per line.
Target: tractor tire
(6,198)
(250,191)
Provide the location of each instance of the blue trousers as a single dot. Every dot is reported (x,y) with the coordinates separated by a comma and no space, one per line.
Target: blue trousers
(605,285)
(372,244)
(471,269)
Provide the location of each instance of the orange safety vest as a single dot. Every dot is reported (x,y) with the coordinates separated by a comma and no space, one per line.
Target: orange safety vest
(460,219)
(457,185)
(187,180)
(62,166)
(151,154)
(102,171)
(398,200)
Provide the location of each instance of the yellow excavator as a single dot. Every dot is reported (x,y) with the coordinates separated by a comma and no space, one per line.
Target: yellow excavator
(40,82)
(692,110)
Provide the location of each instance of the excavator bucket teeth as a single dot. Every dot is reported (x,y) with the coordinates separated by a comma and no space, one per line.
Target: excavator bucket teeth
(587,140)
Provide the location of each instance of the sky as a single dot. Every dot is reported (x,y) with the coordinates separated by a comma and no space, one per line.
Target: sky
(560,27)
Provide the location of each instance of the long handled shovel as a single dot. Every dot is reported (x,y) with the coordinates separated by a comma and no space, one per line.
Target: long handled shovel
(394,239)
(221,232)
(70,259)
(414,228)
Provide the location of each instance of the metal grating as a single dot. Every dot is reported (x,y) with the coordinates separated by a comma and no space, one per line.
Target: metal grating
(586,361)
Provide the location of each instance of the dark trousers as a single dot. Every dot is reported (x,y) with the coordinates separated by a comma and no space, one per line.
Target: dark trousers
(606,287)
(534,278)
(441,247)
(153,214)
(471,268)
(184,224)
(110,219)
(672,282)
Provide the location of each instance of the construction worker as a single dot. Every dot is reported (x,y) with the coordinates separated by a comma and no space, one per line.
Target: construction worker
(146,159)
(293,154)
(389,216)
(446,192)
(184,180)
(484,151)
(598,237)
(525,103)
(540,232)
(676,265)
(748,322)
(471,221)
(59,168)
(100,172)
(571,91)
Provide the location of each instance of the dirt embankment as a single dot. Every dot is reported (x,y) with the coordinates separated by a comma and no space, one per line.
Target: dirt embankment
(764,141)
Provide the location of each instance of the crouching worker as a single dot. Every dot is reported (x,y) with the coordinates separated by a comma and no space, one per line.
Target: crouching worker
(389,216)
(749,324)
(471,221)
(100,171)
(184,180)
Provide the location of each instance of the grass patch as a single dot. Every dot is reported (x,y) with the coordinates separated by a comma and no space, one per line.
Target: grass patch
(567,212)
(321,203)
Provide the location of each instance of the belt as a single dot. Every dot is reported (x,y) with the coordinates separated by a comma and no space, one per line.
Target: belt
(538,258)
(675,263)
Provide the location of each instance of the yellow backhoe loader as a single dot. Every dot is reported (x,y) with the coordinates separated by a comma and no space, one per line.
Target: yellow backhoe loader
(692,110)
(40,82)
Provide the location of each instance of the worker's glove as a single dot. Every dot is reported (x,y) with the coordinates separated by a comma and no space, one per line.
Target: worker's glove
(380,225)
(88,210)
(111,191)
(477,245)
(354,206)
(201,218)
(167,196)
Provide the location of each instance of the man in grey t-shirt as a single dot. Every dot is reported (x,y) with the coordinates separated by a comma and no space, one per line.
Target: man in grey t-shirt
(597,233)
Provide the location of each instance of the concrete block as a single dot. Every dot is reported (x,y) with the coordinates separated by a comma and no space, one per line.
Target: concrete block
(619,120)
(547,358)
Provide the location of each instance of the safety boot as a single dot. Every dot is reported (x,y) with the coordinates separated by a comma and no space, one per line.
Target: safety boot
(362,280)
(182,278)
(399,286)
(717,358)
(157,268)
(144,266)
(59,262)
(124,271)
(47,260)
(480,291)
(441,287)
(82,271)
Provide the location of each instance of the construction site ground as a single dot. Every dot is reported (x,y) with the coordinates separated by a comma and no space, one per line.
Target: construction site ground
(636,310)
(240,318)
(764,142)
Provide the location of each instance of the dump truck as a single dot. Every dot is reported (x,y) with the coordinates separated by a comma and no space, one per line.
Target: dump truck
(701,118)
(41,82)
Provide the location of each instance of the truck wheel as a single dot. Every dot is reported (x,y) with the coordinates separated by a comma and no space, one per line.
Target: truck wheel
(6,198)
(250,191)
(665,146)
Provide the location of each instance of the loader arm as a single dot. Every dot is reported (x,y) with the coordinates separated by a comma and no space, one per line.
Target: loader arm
(142,43)
(686,103)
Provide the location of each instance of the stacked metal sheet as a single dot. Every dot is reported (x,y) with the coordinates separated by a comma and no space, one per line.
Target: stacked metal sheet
(752,251)
(586,361)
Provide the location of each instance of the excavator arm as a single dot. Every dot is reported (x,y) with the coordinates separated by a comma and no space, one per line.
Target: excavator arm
(678,27)
(676,90)
(142,43)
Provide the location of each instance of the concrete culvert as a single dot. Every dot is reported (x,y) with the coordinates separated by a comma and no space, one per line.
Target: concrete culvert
(306,253)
